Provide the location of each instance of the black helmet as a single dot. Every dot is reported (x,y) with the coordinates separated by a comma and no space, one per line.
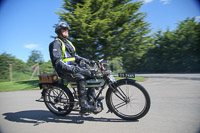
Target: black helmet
(61,25)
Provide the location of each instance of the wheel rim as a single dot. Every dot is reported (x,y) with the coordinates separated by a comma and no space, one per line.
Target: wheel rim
(57,100)
(128,101)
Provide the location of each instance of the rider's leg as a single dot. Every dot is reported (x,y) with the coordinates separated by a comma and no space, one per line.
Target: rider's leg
(91,95)
(81,83)
(83,97)
(91,92)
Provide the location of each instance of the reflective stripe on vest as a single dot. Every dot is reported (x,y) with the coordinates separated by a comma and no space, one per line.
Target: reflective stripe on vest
(63,51)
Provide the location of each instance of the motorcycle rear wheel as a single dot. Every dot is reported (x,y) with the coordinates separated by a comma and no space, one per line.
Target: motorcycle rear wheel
(129,100)
(58,100)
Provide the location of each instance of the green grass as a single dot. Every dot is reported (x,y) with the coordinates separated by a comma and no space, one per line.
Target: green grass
(19,85)
(138,79)
(33,84)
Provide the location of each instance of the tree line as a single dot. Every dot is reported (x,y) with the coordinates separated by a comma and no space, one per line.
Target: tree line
(115,30)
(170,51)
(20,69)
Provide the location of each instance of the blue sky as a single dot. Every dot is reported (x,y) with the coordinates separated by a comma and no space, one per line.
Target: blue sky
(27,25)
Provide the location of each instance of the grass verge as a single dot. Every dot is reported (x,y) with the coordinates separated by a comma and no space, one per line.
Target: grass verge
(19,85)
(138,79)
(33,84)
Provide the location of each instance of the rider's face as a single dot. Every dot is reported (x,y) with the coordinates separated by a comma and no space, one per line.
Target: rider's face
(64,32)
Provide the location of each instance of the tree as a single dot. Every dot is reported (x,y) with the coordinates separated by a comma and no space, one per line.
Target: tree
(35,57)
(46,67)
(17,66)
(105,28)
(116,65)
(175,51)
(188,43)
(4,65)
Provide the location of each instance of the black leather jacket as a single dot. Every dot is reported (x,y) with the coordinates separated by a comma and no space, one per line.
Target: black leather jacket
(55,50)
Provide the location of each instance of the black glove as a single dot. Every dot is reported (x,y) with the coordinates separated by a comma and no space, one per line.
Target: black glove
(76,69)
(92,62)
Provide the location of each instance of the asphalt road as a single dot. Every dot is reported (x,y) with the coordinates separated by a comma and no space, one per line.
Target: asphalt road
(175,108)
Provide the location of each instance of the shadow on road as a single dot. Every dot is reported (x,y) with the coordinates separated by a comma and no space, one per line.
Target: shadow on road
(38,117)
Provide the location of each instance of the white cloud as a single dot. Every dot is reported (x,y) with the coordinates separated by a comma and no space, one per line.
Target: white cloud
(197,18)
(165,1)
(147,1)
(31,46)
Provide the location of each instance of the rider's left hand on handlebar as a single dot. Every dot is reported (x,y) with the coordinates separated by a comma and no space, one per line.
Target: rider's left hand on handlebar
(92,62)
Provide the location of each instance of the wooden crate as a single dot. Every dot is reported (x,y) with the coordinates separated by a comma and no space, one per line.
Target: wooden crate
(48,78)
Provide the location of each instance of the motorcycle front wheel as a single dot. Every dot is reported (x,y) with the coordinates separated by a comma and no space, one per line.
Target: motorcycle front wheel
(128,100)
(58,100)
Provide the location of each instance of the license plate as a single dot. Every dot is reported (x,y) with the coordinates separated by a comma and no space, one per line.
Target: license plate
(127,75)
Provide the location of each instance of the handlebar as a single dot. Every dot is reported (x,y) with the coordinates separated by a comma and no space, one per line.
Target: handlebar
(99,65)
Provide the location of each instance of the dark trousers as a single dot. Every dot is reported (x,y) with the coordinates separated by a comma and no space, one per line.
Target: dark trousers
(80,78)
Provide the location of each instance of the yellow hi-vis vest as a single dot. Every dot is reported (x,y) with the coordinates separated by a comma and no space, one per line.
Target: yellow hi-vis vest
(63,51)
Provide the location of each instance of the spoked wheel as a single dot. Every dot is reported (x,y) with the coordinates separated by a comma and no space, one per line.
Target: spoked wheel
(129,100)
(58,100)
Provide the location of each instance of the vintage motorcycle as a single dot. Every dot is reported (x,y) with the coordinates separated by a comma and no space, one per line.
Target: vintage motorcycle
(125,97)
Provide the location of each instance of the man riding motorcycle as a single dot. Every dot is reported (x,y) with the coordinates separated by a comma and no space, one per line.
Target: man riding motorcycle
(65,62)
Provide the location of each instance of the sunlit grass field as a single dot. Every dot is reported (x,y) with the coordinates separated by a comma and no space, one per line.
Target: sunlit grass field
(33,84)
(19,85)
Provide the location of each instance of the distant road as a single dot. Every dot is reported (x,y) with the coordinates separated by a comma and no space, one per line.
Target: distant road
(175,108)
(195,76)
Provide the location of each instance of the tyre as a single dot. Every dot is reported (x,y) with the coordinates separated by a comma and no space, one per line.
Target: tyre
(128,100)
(58,100)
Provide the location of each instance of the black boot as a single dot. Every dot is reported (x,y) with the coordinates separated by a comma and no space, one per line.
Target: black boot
(91,92)
(91,96)
(83,98)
